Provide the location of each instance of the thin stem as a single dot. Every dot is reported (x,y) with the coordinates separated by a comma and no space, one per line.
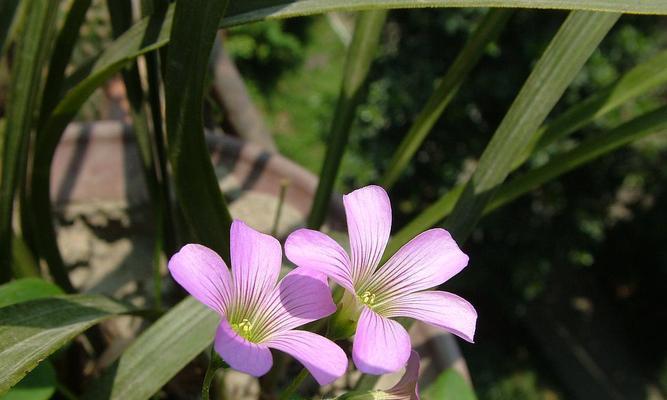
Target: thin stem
(281,200)
(214,363)
(294,386)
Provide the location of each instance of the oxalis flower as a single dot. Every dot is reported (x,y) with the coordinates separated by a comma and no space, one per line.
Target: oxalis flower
(406,389)
(396,289)
(257,312)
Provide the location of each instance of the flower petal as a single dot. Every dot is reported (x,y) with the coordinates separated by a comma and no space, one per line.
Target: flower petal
(302,296)
(380,344)
(322,357)
(312,249)
(368,213)
(426,261)
(256,260)
(242,355)
(408,388)
(202,272)
(442,309)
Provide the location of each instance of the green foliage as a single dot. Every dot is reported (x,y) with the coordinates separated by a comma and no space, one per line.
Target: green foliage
(39,384)
(196,186)
(361,53)
(36,319)
(449,385)
(25,289)
(31,331)
(265,51)
(175,339)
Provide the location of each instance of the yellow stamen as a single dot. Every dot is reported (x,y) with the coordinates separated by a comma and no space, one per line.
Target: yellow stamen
(368,298)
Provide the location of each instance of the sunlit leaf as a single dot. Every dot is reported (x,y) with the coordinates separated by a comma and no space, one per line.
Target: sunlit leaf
(575,41)
(200,199)
(31,54)
(25,289)
(643,78)
(360,54)
(587,151)
(449,385)
(39,384)
(31,331)
(255,10)
(486,31)
(158,353)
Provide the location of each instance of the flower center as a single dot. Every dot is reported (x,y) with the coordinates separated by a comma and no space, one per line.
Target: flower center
(367,298)
(243,328)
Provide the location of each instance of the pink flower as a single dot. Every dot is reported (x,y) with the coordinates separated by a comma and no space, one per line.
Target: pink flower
(258,314)
(396,289)
(407,388)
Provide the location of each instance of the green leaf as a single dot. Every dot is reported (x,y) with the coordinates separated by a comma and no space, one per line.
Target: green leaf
(640,80)
(487,30)
(449,385)
(194,29)
(146,35)
(52,93)
(255,10)
(158,354)
(576,39)
(7,15)
(62,53)
(24,264)
(31,331)
(22,290)
(587,151)
(39,384)
(359,57)
(24,86)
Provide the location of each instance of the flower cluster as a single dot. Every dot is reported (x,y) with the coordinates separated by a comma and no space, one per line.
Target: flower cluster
(258,312)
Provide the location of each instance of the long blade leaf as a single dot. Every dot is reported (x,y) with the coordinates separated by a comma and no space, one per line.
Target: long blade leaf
(641,79)
(148,34)
(158,354)
(359,57)
(31,55)
(585,152)
(7,14)
(31,331)
(192,37)
(487,30)
(255,10)
(579,35)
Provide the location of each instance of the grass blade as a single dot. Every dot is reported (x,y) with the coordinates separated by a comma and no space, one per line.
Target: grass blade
(148,34)
(192,37)
(487,30)
(24,87)
(579,35)
(62,53)
(22,290)
(7,14)
(241,12)
(175,339)
(640,80)
(359,57)
(587,151)
(31,331)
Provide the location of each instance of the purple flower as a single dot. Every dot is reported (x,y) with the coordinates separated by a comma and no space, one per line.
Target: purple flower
(407,388)
(258,314)
(397,289)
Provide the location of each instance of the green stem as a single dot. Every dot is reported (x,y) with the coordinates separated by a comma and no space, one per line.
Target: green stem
(294,386)
(359,57)
(281,200)
(214,363)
